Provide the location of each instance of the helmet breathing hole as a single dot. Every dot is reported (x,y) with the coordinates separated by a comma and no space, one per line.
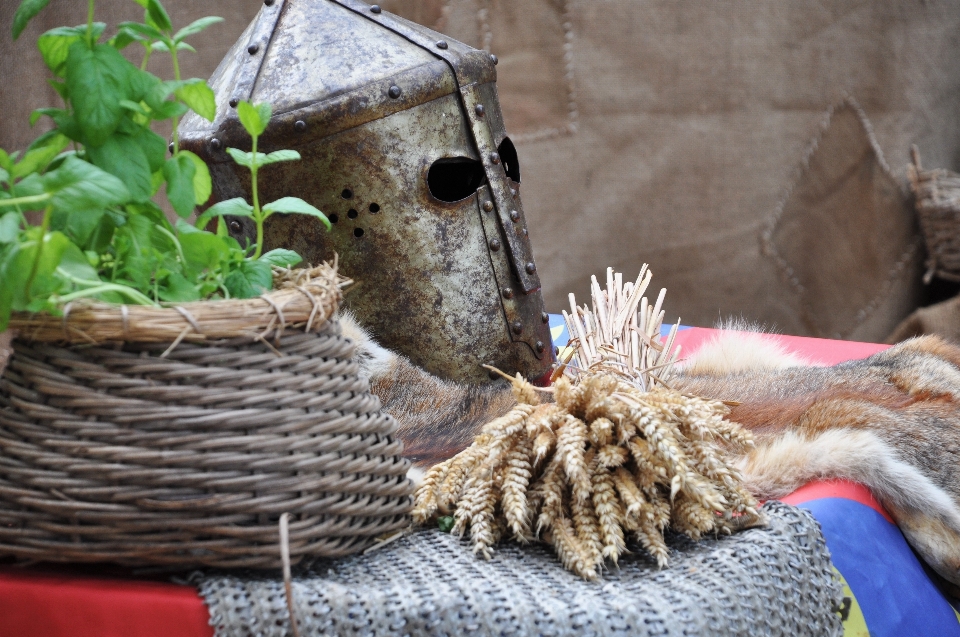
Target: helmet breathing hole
(358,232)
(333,217)
(347,193)
(511,163)
(374,208)
(352,213)
(455,179)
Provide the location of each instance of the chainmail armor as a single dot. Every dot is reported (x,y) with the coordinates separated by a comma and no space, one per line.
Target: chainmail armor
(776,580)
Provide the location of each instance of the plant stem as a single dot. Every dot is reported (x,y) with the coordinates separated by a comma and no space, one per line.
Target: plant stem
(90,22)
(176,242)
(256,199)
(36,260)
(16,201)
(105,287)
(147,50)
(176,76)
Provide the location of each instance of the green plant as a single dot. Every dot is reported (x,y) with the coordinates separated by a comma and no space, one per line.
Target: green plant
(94,177)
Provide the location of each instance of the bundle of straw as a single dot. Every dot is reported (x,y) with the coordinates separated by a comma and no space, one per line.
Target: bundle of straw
(617,453)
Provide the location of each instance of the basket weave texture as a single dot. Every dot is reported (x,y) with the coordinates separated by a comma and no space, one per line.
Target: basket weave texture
(937,194)
(140,453)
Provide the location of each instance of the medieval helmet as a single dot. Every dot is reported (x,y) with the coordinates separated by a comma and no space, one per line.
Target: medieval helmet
(403,147)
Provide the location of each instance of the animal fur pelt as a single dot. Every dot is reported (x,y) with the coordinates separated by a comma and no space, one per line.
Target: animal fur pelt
(890,422)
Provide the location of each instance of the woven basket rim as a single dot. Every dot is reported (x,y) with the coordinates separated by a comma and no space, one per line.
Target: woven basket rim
(303,298)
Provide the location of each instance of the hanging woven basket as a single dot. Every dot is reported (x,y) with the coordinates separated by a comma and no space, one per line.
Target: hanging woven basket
(937,194)
(179,436)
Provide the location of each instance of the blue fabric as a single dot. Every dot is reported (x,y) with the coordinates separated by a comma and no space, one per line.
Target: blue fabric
(560,336)
(896,596)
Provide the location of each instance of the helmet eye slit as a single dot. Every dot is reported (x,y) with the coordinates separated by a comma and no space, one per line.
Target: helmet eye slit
(453,179)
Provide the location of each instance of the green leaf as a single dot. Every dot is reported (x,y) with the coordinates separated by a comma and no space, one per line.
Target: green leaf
(145,31)
(278,156)
(185,228)
(202,183)
(9,227)
(55,44)
(243,158)
(121,156)
(251,280)
(445,523)
(44,283)
(196,27)
(142,85)
(254,118)
(37,159)
(235,207)
(298,206)
(203,251)
(79,185)
(154,147)
(180,46)
(60,88)
(6,162)
(179,172)
(97,80)
(27,11)
(124,38)
(281,258)
(75,263)
(198,96)
(157,16)
(175,288)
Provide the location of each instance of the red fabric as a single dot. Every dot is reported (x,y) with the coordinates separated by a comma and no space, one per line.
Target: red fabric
(836,489)
(60,606)
(817,350)
(67,606)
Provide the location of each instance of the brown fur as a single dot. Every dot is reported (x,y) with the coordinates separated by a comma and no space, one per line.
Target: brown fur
(891,422)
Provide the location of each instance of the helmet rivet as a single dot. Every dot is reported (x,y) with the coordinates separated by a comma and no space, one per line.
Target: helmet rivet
(494,158)
(531,268)
(442,44)
(494,244)
(234,102)
(479,110)
(508,293)
(514,216)
(487,206)
(544,317)
(394,91)
(539,347)
(375,8)
(269,3)
(495,59)
(215,144)
(300,125)
(253,48)
(170,147)
(517,327)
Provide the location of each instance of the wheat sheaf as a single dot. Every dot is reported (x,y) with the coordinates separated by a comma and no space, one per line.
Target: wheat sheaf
(617,454)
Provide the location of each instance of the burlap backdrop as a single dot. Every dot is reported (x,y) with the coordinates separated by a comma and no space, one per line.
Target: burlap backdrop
(752,152)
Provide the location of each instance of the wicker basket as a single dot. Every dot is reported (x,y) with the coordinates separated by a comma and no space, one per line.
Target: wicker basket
(141,453)
(937,195)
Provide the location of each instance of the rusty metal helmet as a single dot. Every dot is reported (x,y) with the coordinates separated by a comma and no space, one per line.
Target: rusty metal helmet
(403,147)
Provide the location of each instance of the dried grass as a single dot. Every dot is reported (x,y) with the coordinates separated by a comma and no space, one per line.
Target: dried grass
(618,455)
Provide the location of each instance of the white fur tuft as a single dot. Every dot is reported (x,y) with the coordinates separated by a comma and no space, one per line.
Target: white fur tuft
(375,360)
(737,348)
(784,465)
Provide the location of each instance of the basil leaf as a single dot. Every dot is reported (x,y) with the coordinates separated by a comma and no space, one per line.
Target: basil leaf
(74,263)
(97,80)
(37,159)
(254,118)
(202,183)
(243,158)
(55,44)
(157,16)
(198,96)
(281,258)
(278,156)
(235,207)
(122,156)
(27,11)
(251,280)
(297,206)
(179,172)
(203,251)
(79,185)
(175,288)
(9,227)
(196,27)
